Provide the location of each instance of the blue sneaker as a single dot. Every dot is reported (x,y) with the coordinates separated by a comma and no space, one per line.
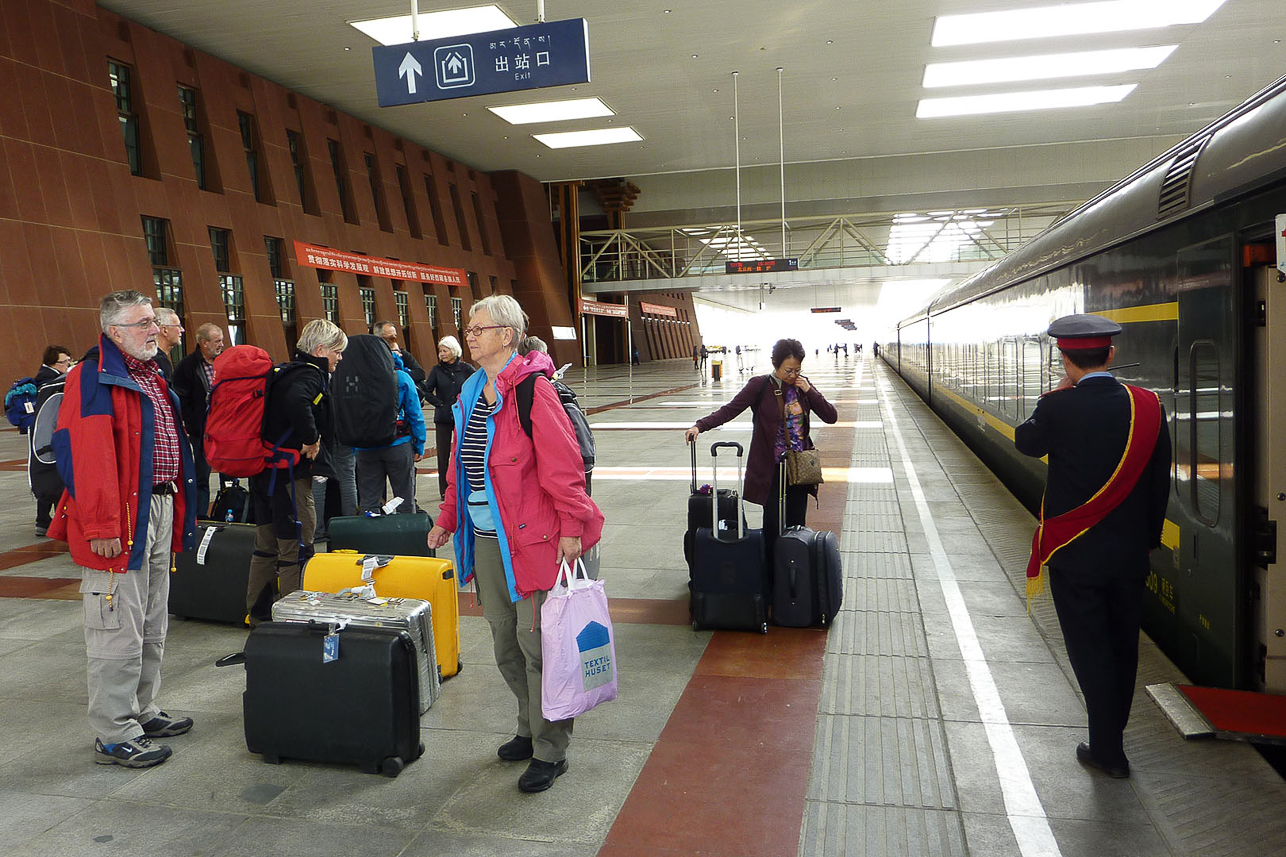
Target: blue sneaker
(165,726)
(139,753)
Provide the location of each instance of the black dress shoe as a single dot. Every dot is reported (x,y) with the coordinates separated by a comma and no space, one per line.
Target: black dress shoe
(516,750)
(1085,757)
(541,775)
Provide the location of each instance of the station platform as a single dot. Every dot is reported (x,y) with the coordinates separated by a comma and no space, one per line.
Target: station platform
(935,717)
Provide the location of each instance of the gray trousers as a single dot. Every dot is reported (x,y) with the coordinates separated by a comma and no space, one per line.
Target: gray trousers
(277,556)
(125,636)
(395,463)
(515,634)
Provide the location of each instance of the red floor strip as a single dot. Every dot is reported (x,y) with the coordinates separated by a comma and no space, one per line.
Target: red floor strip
(1240,711)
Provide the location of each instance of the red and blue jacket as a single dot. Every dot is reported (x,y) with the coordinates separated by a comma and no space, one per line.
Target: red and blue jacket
(105,424)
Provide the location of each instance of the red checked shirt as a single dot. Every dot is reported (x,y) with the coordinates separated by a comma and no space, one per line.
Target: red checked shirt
(165,455)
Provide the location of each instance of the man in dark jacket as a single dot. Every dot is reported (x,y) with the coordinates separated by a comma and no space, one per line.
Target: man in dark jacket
(46,484)
(441,390)
(298,408)
(387,331)
(1103,511)
(193,380)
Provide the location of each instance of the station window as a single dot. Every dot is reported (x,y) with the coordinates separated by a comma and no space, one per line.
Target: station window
(341,181)
(219,240)
(408,204)
(482,225)
(495,285)
(431,307)
(403,310)
(439,226)
(234,304)
(187,105)
(250,143)
(473,286)
(273,247)
(459,217)
(368,301)
(329,296)
(298,158)
(158,246)
(120,75)
(377,193)
(457,306)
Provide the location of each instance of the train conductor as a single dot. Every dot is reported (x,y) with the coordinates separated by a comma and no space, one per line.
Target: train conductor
(1102,514)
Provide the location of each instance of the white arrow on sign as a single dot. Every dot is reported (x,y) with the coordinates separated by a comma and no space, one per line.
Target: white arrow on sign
(409,69)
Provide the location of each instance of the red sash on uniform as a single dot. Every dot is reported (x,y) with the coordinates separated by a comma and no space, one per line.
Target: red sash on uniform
(1061,530)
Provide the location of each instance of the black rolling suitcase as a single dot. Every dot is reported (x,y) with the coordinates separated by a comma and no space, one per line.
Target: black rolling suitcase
(210,582)
(808,585)
(396,535)
(729,571)
(362,708)
(699,506)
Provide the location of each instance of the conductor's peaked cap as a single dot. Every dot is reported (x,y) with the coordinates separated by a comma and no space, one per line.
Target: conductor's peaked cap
(1082,332)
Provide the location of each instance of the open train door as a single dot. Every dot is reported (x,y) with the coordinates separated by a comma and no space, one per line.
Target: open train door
(1265,266)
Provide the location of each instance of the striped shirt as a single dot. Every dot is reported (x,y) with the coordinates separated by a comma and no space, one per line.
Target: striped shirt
(165,454)
(473,451)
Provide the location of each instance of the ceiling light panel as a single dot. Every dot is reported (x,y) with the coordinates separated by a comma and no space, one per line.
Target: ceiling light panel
(1044,99)
(1073,19)
(436,25)
(553,111)
(600,137)
(1082,64)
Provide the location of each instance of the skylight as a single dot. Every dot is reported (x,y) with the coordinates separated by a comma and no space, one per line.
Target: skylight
(553,111)
(1043,99)
(436,25)
(1081,64)
(939,237)
(1073,19)
(599,137)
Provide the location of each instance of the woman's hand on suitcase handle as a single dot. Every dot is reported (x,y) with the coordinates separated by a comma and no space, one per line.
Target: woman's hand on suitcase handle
(691,434)
(569,548)
(438,537)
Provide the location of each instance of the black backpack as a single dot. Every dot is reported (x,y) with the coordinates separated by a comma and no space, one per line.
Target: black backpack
(364,390)
(525,390)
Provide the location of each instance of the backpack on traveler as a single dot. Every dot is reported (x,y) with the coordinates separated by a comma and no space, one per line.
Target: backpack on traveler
(234,441)
(45,420)
(365,395)
(20,404)
(525,390)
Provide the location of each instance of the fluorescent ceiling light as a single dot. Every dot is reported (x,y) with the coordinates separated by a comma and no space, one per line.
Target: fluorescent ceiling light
(436,25)
(1073,19)
(553,111)
(1044,99)
(599,137)
(1079,64)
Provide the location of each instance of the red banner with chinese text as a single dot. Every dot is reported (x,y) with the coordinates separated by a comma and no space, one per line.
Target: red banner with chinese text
(328,259)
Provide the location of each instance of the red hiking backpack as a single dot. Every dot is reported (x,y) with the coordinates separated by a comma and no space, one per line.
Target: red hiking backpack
(234,442)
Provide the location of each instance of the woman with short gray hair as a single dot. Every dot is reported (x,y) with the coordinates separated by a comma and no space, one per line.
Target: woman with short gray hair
(440,390)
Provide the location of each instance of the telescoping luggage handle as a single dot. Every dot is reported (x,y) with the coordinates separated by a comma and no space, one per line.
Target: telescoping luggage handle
(714,478)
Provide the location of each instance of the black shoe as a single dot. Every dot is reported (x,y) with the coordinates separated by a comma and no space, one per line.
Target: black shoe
(516,750)
(541,775)
(165,726)
(1085,757)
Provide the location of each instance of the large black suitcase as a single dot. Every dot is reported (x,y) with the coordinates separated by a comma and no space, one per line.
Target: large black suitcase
(210,582)
(808,584)
(396,535)
(699,510)
(362,708)
(729,570)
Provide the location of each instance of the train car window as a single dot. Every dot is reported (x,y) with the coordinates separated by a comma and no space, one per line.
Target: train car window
(1010,378)
(1204,424)
(1033,380)
(1054,367)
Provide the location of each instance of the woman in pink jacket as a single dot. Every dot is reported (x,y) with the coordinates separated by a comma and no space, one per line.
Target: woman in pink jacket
(517,506)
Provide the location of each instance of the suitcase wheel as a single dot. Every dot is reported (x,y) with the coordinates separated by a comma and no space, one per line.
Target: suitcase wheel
(271,759)
(696,626)
(419,750)
(763,629)
(392,766)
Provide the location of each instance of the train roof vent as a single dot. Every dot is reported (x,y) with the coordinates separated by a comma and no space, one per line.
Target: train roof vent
(1175,190)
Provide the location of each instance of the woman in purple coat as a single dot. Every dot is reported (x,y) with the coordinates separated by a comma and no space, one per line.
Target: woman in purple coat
(781,403)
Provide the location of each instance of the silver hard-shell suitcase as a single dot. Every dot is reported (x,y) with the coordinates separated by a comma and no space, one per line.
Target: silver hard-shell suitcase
(403,614)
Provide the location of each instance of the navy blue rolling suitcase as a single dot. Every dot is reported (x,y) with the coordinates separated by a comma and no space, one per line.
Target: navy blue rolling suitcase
(700,507)
(808,585)
(729,570)
(361,708)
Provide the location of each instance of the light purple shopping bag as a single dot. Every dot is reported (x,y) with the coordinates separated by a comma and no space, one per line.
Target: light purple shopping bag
(577,646)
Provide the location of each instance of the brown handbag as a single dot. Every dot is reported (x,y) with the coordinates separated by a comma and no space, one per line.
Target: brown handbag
(803,467)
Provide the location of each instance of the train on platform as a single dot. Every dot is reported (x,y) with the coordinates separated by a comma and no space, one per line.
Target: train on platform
(1183,254)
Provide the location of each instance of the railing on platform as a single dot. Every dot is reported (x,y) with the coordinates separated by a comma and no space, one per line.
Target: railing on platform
(855,240)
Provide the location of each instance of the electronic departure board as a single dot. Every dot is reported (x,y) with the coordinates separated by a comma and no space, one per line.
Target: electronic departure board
(761,266)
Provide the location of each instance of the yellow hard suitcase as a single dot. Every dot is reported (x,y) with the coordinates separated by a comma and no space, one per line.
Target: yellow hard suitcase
(424,577)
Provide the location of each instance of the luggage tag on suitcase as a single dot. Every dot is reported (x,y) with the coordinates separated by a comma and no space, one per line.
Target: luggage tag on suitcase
(205,545)
(330,643)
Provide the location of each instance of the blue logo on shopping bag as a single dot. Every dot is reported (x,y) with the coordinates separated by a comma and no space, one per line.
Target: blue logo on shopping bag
(595,644)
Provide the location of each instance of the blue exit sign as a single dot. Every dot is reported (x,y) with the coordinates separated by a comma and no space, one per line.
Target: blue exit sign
(532,57)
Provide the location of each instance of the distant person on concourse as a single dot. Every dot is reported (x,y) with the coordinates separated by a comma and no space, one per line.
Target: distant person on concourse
(780,403)
(517,506)
(440,391)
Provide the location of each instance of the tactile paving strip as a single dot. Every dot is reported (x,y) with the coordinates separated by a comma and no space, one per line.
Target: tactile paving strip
(878,685)
(848,830)
(886,761)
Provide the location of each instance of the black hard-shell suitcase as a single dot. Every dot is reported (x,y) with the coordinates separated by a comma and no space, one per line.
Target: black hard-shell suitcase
(729,571)
(396,535)
(808,585)
(363,708)
(699,505)
(210,582)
